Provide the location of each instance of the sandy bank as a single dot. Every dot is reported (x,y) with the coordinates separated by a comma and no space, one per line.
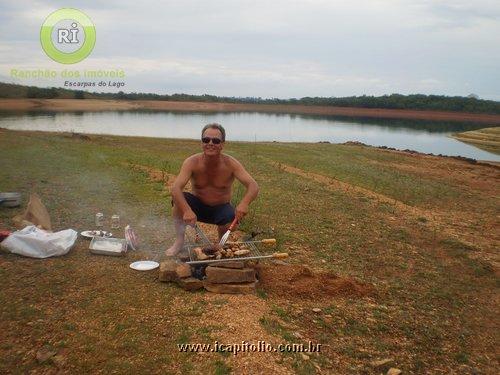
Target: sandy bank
(124,105)
(488,139)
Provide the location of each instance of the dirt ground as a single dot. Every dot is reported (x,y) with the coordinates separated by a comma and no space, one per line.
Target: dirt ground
(300,282)
(393,263)
(109,105)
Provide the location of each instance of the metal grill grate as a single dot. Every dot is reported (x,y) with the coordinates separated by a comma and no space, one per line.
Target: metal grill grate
(201,240)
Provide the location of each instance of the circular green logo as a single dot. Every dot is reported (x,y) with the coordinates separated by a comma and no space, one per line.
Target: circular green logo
(67,36)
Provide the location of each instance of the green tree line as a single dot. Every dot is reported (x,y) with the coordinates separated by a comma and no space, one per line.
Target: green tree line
(393,101)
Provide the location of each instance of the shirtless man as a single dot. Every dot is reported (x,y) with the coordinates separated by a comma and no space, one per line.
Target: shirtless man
(212,174)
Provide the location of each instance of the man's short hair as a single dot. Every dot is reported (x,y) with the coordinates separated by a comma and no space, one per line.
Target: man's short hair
(214,125)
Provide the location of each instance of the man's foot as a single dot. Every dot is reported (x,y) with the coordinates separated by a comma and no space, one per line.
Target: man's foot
(173,250)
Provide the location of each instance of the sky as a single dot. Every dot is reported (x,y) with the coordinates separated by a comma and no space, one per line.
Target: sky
(280,48)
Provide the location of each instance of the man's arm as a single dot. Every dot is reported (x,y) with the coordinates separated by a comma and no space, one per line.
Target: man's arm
(252,189)
(180,182)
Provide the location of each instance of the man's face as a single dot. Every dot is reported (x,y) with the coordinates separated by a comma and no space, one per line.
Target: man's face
(212,149)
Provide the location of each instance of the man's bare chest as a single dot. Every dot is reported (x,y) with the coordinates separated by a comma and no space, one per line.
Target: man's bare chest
(220,177)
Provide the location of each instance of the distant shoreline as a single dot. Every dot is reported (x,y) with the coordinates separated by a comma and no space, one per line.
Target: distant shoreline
(97,105)
(487,139)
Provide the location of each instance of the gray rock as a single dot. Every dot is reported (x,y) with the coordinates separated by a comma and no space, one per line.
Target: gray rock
(44,354)
(190,284)
(217,275)
(167,270)
(239,288)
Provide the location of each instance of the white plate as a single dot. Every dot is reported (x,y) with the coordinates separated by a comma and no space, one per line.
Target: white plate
(92,233)
(144,265)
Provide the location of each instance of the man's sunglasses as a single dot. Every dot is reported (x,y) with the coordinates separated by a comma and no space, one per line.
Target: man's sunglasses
(215,141)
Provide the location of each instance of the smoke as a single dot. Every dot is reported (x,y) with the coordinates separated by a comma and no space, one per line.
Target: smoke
(104,192)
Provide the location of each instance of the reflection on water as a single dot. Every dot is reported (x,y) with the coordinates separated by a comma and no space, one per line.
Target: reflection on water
(420,135)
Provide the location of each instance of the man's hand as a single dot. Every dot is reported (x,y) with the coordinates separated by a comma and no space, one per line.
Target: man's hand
(241,211)
(189,217)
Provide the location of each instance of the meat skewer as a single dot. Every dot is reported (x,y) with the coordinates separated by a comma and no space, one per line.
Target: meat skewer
(274,256)
(266,242)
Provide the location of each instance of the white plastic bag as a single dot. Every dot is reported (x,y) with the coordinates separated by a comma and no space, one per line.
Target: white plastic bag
(38,243)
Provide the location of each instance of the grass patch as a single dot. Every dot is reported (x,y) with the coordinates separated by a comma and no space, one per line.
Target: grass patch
(221,368)
(261,293)
(457,245)
(274,327)
(284,314)
(425,283)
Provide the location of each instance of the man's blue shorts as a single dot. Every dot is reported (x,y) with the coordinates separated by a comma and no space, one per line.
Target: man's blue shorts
(220,214)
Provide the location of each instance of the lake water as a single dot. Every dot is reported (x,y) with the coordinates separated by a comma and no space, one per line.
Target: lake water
(424,136)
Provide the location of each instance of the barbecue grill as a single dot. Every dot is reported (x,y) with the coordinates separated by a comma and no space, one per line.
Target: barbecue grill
(201,240)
